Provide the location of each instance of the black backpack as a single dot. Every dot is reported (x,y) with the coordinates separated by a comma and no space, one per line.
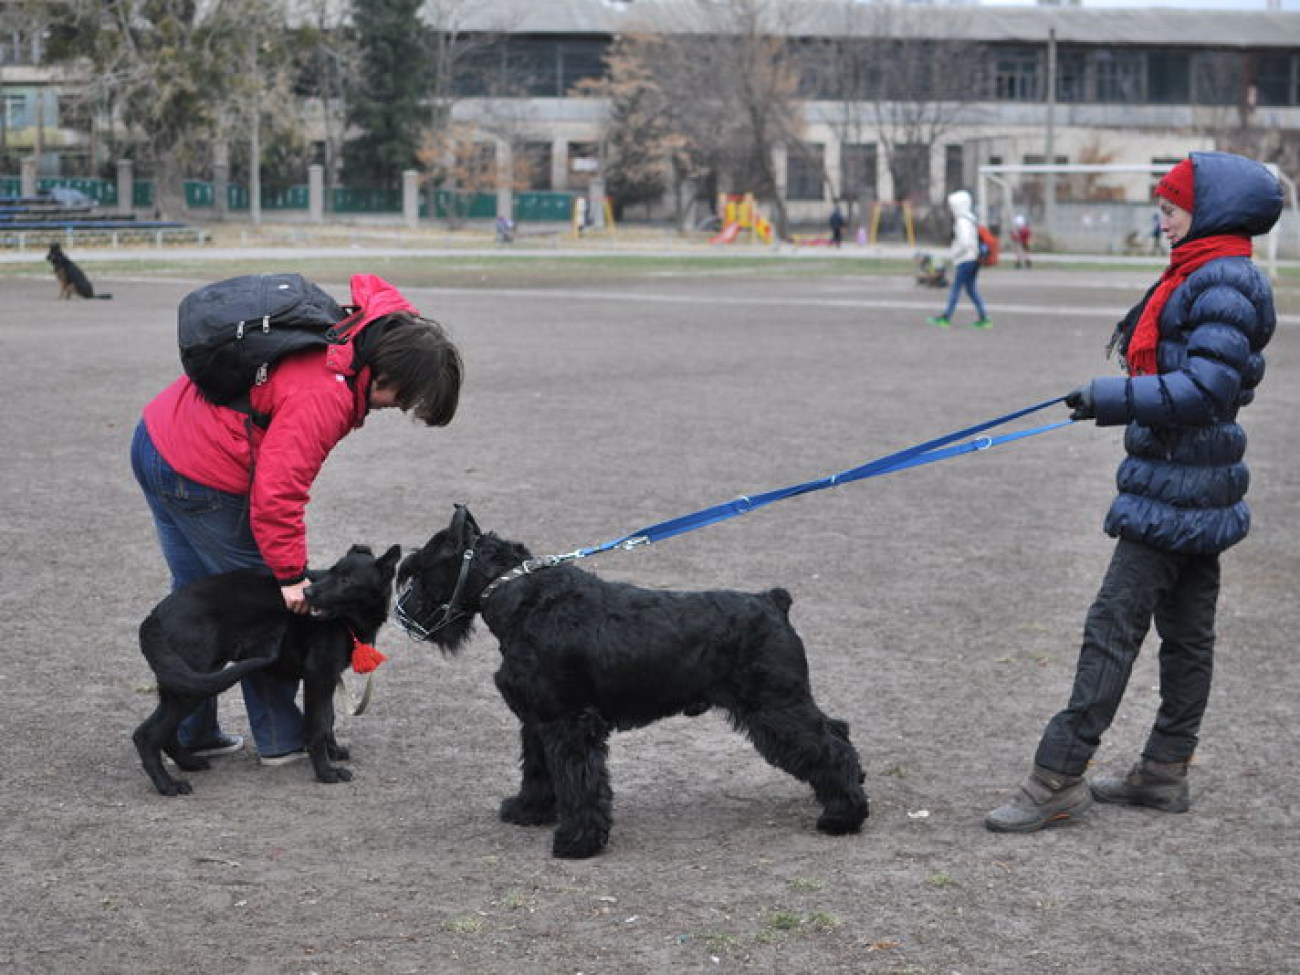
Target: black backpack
(231,332)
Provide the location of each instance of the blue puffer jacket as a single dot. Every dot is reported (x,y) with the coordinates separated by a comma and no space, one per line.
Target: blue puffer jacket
(1182,485)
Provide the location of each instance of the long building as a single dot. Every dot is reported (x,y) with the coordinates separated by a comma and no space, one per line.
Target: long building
(1136,87)
(1066,85)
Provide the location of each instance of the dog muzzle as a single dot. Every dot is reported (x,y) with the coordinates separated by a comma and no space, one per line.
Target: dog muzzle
(408,610)
(410,603)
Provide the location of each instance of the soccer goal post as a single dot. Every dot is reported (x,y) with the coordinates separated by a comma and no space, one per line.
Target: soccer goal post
(996,191)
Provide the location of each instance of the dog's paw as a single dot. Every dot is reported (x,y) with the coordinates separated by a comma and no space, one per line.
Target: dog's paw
(515,810)
(337,752)
(332,774)
(844,820)
(579,844)
(190,763)
(175,787)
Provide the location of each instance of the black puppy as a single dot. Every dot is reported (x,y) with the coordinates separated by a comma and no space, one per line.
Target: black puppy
(239,619)
(71,277)
(581,657)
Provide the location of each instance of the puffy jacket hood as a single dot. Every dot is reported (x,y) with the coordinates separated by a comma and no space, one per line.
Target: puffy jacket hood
(961,205)
(1234,195)
(377,298)
(372,298)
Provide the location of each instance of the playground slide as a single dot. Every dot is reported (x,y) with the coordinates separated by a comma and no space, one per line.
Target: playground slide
(728,235)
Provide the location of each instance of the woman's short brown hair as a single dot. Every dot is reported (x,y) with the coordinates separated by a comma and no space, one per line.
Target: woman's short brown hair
(415,358)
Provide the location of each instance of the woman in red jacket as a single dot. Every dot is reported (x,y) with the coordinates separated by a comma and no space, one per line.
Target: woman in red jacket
(227,494)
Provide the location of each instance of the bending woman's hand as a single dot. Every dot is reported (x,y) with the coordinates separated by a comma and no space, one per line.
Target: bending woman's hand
(295,597)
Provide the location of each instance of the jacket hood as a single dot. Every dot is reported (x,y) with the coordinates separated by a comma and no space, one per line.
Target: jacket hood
(372,298)
(1234,195)
(961,204)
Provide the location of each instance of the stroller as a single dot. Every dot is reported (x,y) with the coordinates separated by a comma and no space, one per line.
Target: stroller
(930,274)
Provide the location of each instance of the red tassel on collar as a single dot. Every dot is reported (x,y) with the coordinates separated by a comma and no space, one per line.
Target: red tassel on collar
(365,658)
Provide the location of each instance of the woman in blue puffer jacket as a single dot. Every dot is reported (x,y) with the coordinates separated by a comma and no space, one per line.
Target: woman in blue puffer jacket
(1193,351)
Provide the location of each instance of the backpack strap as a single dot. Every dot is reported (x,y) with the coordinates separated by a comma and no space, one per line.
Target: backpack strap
(244,404)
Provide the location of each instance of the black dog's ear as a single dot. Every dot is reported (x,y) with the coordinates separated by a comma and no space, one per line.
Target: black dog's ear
(388,561)
(360,550)
(463,527)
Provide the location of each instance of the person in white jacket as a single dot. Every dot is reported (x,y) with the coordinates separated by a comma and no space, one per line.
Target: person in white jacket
(965,256)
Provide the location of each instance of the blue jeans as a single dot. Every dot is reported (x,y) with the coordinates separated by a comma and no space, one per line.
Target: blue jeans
(964,277)
(203,531)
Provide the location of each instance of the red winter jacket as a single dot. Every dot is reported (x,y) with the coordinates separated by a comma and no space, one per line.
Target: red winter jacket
(312,406)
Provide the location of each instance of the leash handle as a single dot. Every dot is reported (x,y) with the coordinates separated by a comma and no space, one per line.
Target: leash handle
(940,448)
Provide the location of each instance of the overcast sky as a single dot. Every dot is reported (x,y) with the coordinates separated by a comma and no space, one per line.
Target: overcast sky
(1288,5)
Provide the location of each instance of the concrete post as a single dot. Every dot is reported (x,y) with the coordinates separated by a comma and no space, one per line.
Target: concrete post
(411,198)
(125,186)
(27,176)
(560,165)
(596,202)
(316,192)
(505,179)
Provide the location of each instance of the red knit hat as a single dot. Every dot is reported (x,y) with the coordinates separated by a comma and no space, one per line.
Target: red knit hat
(1179,186)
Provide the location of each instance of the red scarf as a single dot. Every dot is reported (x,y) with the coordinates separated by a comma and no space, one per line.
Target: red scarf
(1183,260)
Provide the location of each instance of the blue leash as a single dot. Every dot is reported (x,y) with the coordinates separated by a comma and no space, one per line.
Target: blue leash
(929,452)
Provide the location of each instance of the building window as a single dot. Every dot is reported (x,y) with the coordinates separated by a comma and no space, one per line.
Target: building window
(533,166)
(1218,78)
(954,169)
(584,164)
(15,112)
(1168,77)
(804,172)
(910,167)
(578,62)
(1016,75)
(858,172)
(1277,80)
(1116,77)
(1071,75)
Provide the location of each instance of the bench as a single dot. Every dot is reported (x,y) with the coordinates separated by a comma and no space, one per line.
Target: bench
(110,232)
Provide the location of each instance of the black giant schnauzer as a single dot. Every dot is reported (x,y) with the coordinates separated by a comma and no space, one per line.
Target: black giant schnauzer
(582,657)
(204,638)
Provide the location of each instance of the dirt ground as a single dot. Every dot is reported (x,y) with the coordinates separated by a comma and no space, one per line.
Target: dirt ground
(941,608)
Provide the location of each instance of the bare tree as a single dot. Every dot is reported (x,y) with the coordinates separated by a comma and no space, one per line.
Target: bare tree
(641,149)
(328,65)
(22,22)
(169,70)
(889,77)
(469,57)
(724,93)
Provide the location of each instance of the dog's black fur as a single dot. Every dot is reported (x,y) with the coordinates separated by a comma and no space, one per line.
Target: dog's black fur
(239,619)
(581,657)
(72,279)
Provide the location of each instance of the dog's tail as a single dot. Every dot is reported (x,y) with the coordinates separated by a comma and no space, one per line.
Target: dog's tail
(782,599)
(101,297)
(176,675)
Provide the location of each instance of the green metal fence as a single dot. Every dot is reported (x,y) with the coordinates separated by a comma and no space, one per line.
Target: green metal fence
(362,200)
(543,206)
(465,206)
(201,195)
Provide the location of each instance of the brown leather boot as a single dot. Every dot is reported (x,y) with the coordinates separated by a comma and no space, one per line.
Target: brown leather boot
(1160,785)
(1046,798)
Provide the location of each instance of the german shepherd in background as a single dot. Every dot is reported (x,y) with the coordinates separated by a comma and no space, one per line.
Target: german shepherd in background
(71,277)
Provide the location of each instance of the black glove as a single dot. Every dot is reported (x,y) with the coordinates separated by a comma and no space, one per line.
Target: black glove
(1080,402)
